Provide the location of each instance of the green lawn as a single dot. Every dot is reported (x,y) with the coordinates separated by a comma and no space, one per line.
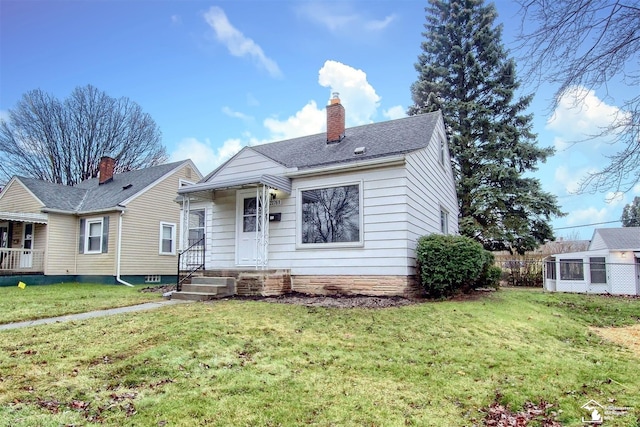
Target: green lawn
(252,363)
(37,302)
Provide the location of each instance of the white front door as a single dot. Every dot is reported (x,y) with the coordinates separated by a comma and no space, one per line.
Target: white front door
(246,223)
(26,258)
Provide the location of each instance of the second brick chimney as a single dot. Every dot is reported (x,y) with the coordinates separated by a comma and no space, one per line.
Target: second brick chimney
(107,165)
(335,120)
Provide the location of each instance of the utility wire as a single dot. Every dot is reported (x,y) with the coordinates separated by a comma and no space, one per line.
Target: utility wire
(587,225)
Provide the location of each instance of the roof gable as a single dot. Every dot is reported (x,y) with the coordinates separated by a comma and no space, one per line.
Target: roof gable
(123,187)
(623,238)
(245,162)
(378,139)
(54,196)
(89,195)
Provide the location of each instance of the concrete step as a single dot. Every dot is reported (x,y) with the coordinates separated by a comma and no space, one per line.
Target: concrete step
(204,288)
(193,296)
(205,280)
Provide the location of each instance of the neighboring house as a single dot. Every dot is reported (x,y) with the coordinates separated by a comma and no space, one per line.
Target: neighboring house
(339,212)
(611,265)
(116,228)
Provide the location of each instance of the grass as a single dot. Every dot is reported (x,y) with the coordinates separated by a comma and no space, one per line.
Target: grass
(251,363)
(37,302)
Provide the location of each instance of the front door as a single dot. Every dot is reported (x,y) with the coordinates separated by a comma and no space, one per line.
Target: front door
(246,227)
(26,259)
(4,243)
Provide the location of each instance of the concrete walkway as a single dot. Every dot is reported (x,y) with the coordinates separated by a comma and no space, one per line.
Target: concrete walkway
(91,314)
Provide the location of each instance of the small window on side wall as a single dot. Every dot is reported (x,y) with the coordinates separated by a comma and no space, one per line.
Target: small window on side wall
(444,221)
(167,238)
(94,235)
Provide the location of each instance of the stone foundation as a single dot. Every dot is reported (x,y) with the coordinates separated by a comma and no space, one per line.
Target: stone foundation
(405,286)
(257,282)
(279,282)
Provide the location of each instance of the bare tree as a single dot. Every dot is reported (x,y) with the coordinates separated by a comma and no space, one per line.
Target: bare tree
(590,43)
(63,141)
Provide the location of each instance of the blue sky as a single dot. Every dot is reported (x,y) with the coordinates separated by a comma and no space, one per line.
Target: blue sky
(218,75)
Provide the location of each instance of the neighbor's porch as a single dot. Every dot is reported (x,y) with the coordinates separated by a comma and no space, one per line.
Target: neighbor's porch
(22,243)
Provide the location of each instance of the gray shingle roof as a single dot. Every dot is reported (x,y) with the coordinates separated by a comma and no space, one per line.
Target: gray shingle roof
(90,196)
(620,238)
(379,139)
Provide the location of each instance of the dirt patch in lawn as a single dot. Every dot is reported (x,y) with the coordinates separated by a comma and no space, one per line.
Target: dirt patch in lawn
(628,336)
(335,301)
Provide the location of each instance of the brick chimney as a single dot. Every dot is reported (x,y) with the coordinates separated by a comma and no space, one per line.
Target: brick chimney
(107,164)
(335,120)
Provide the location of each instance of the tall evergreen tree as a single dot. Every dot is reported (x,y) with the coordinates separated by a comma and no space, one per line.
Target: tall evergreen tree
(464,71)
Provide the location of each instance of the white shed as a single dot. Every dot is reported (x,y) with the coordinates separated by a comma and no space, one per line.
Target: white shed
(611,265)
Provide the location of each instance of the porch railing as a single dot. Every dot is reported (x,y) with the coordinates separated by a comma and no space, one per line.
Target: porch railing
(190,260)
(15,260)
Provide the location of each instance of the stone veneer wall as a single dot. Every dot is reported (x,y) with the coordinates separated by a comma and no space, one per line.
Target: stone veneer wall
(279,282)
(406,286)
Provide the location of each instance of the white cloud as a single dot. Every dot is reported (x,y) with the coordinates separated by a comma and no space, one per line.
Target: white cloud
(308,121)
(236,114)
(237,43)
(396,112)
(176,20)
(581,114)
(204,155)
(356,94)
(589,215)
(340,17)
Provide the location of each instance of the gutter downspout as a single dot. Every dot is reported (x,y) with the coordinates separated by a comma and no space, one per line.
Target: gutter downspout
(120,251)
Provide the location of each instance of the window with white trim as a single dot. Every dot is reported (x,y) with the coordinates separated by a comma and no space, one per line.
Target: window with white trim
(331,216)
(443,153)
(196,226)
(94,234)
(444,221)
(167,238)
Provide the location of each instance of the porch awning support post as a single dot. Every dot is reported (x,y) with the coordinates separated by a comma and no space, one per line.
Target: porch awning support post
(262,227)
(184,237)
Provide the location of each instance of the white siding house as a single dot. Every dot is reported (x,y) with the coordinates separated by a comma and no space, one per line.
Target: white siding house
(335,212)
(611,265)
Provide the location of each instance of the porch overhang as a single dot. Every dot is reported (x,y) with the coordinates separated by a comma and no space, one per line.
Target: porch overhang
(281,183)
(39,218)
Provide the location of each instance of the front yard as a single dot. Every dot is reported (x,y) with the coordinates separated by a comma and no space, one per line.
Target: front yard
(242,362)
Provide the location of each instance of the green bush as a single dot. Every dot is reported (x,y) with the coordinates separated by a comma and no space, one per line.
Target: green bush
(451,264)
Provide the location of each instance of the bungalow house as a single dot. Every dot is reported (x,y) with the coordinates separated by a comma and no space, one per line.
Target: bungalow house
(611,265)
(337,212)
(116,228)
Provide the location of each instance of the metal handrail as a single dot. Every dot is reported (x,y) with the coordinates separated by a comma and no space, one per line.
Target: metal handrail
(192,254)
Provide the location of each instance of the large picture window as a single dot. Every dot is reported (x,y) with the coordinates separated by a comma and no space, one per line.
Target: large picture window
(571,269)
(331,215)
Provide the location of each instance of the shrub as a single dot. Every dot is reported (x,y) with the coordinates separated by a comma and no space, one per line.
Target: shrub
(451,264)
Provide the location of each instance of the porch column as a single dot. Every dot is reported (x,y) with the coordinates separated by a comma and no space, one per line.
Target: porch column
(262,227)
(186,206)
